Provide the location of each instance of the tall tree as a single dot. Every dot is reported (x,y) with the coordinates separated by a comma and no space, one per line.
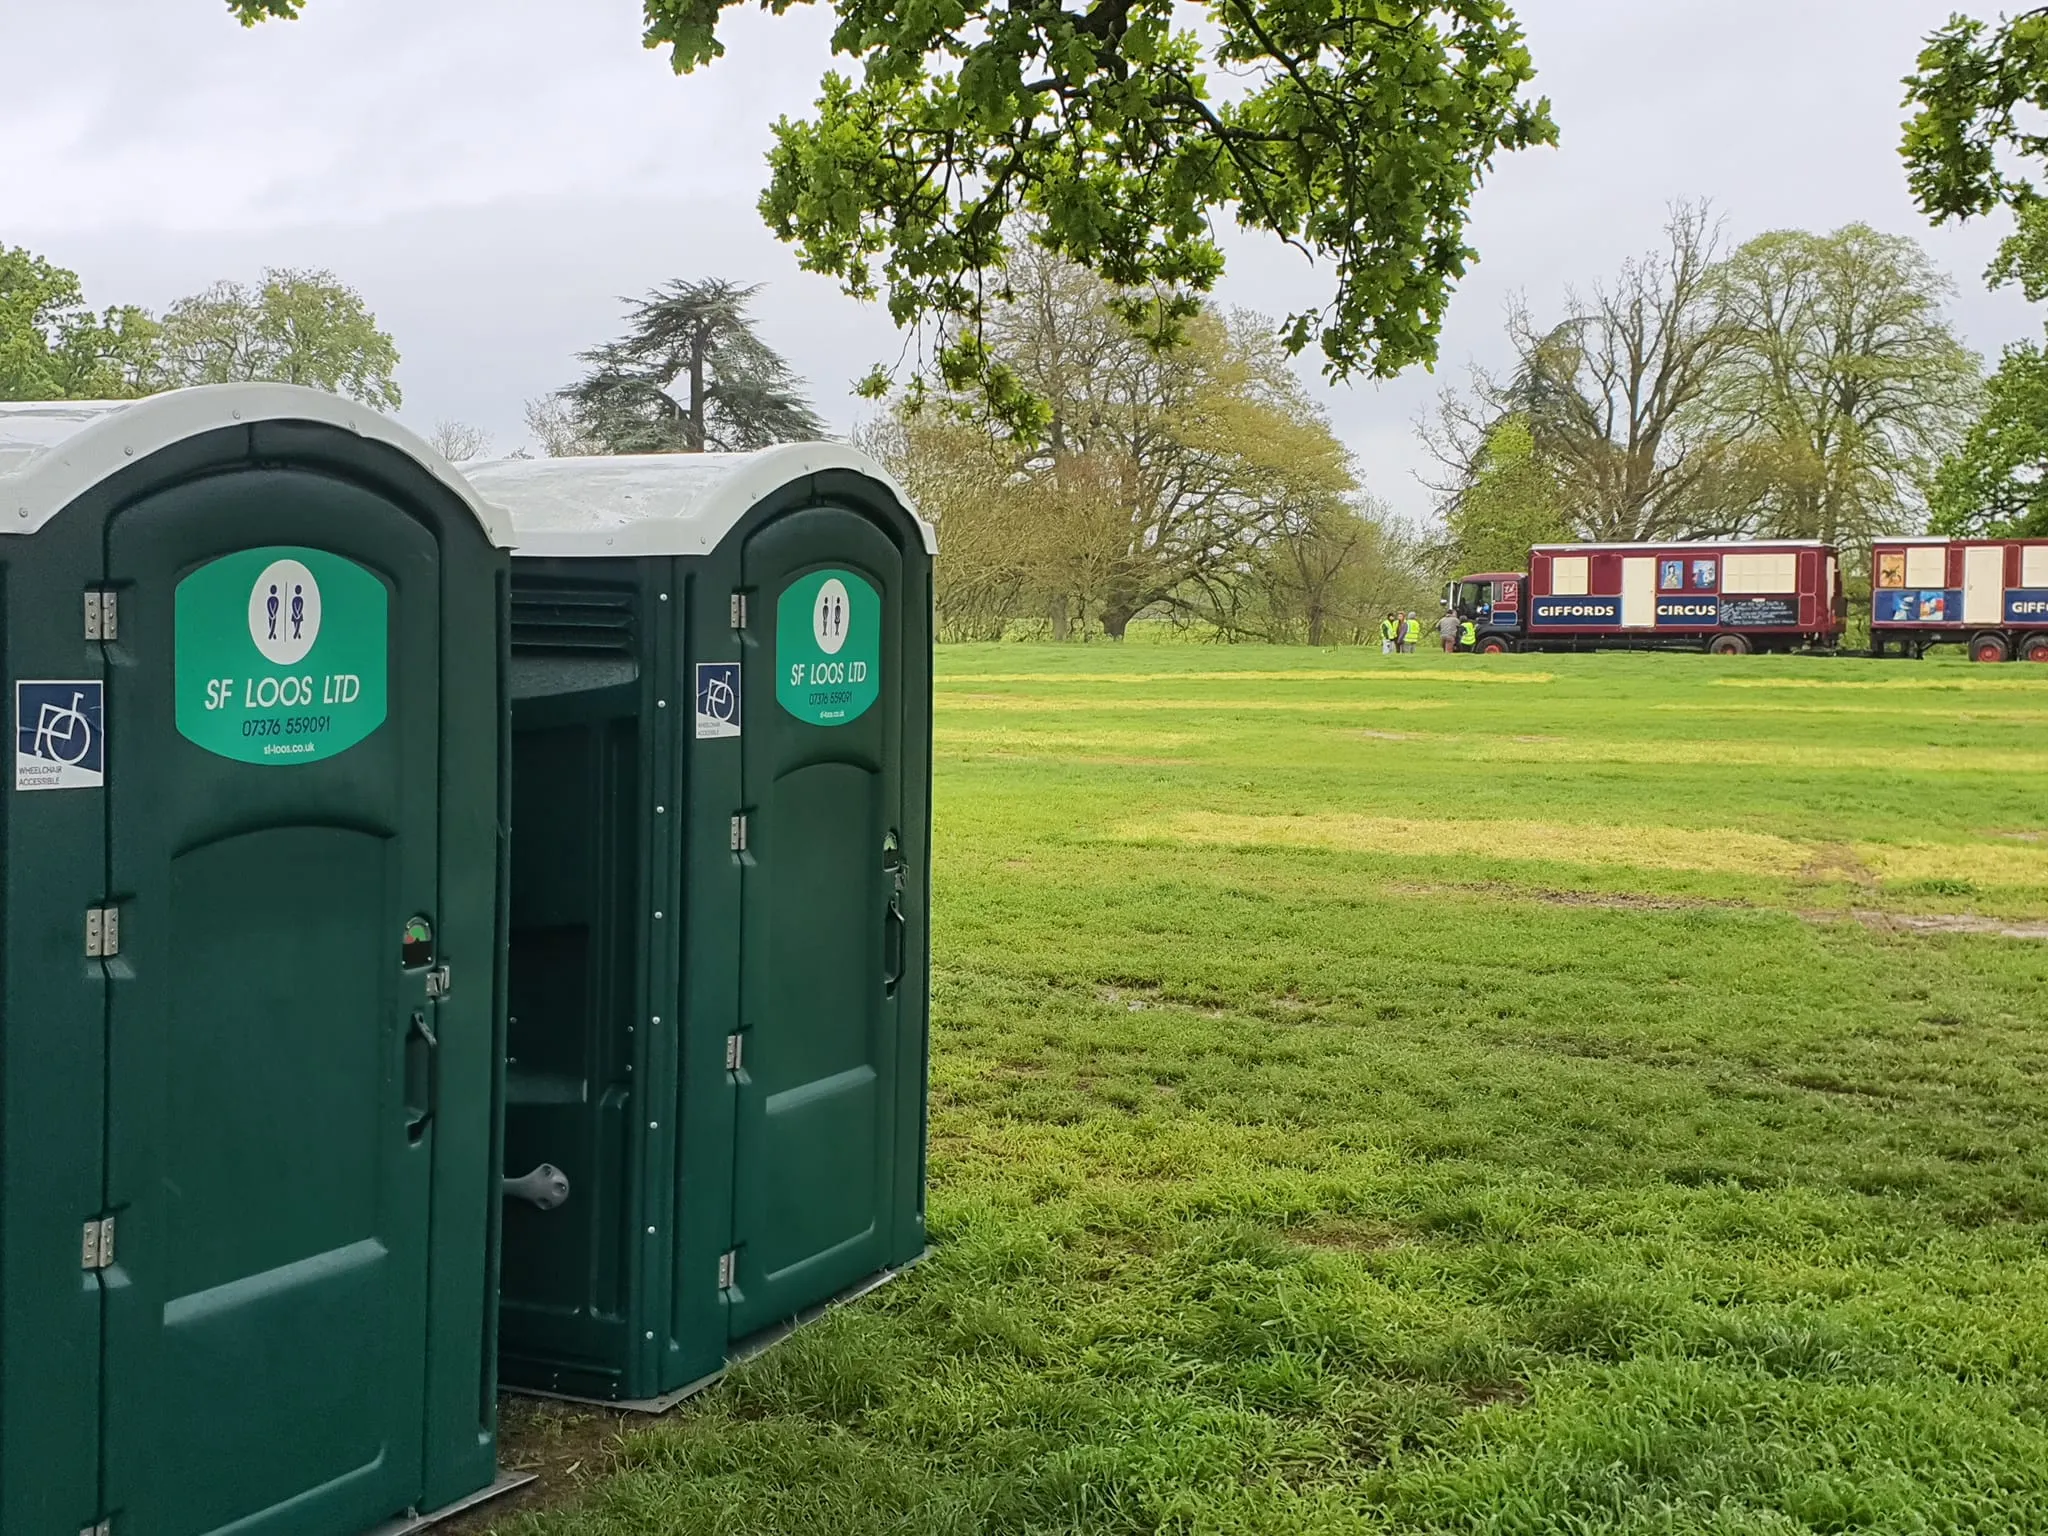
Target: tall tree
(691,375)
(1175,459)
(556,430)
(1843,382)
(1975,141)
(1996,483)
(1974,145)
(999,534)
(1506,501)
(1613,396)
(1326,573)
(1163,472)
(295,327)
(52,347)
(456,441)
(1354,130)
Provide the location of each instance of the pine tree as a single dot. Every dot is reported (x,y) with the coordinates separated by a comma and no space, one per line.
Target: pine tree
(690,376)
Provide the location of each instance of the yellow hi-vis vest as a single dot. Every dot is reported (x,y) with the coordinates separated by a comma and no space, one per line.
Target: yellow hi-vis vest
(1468,633)
(1389,630)
(1411,631)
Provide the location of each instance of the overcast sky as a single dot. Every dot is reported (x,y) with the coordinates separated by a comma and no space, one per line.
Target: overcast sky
(494,174)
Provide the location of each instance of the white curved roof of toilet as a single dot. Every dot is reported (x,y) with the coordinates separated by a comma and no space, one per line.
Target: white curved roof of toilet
(657,503)
(54,451)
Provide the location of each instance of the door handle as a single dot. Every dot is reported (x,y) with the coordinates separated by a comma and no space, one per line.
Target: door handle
(422,1076)
(544,1189)
(897,930)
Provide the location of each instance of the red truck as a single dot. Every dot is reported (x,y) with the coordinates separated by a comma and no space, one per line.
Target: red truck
(1989,594)
(1728,598)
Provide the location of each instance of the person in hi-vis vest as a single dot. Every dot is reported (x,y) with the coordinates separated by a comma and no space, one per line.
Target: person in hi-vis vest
(1390,634)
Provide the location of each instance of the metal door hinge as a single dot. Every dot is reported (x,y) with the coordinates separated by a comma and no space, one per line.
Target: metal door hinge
(97,1249)
(437,983)
(102,933)
(739,610)
(728,1268)
(102,616)
(735,1052)
(739,833)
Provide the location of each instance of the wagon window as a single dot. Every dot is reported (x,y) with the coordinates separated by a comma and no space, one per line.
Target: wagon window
(2034,566)
(1568,576)
(1927,565)
(1760,573)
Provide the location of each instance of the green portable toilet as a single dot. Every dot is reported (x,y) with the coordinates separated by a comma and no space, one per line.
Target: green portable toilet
(250,997)
(716,1083)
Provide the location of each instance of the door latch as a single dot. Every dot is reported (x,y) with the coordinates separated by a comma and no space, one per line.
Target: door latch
(437,983)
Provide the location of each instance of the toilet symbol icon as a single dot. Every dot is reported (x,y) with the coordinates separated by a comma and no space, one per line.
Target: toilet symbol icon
(832,616)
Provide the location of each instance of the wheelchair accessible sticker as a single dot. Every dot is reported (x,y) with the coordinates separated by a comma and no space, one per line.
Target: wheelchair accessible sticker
(718,699)
(60,735)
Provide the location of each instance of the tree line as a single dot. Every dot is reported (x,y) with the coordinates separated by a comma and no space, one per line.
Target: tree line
(1798,386)
(1177,472)
(293,326)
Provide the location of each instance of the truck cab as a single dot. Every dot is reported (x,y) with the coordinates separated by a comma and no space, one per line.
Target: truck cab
(1493,602)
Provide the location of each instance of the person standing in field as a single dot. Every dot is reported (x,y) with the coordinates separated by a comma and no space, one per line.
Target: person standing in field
(1468,635)
(1411,633)
(1390,634)
(1447,631)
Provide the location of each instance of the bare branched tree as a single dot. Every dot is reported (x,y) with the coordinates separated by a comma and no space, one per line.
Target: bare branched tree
(1615,397)
(1615,394)
(456,441)
(557,432)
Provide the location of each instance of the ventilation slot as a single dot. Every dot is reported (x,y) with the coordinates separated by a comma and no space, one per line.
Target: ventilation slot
(571,621)
(571,639)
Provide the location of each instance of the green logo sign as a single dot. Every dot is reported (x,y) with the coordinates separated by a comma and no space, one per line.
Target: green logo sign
(281,656)
(828,648)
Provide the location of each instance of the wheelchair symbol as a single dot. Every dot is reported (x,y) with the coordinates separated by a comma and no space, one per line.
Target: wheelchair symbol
(719,698)
(64,735)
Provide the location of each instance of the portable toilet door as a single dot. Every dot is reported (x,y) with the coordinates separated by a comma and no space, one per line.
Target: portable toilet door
(722,752)
(285,670)
(822,1117)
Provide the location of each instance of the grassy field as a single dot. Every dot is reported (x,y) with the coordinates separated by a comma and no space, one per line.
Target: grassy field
(1531,1094)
